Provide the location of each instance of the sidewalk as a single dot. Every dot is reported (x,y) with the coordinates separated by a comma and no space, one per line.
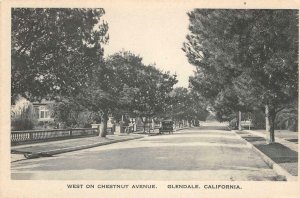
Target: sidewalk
(281,155)
(46,149)
(62,146)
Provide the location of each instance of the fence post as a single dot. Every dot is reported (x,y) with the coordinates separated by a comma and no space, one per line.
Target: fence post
(71,132)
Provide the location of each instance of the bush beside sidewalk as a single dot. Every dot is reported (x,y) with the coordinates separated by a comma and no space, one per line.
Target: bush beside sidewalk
(282,156)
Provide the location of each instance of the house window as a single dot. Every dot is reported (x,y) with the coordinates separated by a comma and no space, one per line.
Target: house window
(44,113)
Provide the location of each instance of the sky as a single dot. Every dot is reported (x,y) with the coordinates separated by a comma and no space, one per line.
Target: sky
(155,34)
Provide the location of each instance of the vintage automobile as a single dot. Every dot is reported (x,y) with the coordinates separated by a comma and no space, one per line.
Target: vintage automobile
(166,126)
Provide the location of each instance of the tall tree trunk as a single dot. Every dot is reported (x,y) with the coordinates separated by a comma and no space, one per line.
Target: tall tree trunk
(103,127)
(148,120)
(239,122)
(153,124)
(175,125)
(270,115)
(267,118)
(144,125)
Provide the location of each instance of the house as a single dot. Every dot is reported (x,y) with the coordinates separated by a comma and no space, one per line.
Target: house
(26,115)
(43,111)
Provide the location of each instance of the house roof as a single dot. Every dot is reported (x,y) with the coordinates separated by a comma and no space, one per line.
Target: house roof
(43,102)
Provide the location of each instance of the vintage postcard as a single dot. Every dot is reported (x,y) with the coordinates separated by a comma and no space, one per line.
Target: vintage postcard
(149,98)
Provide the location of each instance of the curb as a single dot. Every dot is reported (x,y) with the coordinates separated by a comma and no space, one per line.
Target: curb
(278,169)
(146,134)
(70,149)
(182,128)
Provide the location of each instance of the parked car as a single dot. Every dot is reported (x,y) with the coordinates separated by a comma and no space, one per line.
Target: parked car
(166,126)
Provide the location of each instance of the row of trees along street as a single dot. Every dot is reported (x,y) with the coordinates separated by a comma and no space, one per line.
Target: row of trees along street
(57,55)
(246,60)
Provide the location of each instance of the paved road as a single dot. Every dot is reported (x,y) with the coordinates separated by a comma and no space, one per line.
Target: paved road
(195,154)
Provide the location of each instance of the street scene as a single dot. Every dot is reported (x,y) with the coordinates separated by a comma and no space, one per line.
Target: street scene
(202,154)
(199,95)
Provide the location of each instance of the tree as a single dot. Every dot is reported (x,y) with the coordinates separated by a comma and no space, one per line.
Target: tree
(274,54)
(126,68)
(288,118)
(23,115)
(54,50)
(253,52)
(70,113)
(187,105)
(270,49)
(112,86)
(153,97)
(123,84)
(213,48)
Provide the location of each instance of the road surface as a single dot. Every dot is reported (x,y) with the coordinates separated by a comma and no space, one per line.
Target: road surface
(206,154)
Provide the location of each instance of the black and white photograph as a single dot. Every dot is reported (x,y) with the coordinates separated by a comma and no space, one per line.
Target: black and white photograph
(153,93)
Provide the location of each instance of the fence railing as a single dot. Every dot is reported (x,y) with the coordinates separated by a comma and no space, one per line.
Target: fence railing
(24,137)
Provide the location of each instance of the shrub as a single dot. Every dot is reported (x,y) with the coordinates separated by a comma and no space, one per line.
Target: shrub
(287,119)
(20,124)
(68,114)
(258,120)
(23,115)
(233,124)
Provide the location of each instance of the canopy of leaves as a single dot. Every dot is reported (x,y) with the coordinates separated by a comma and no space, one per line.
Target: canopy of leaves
(54,50)
(244,58)
(187,105)
(123,84)
(154,92)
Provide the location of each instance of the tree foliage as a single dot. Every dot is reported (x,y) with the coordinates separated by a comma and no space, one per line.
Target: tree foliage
(23,115)
(70,113)
(154,92)
(54,50)
(187,105)
(245,58)
(124,85)
(214,49)
(109,90)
